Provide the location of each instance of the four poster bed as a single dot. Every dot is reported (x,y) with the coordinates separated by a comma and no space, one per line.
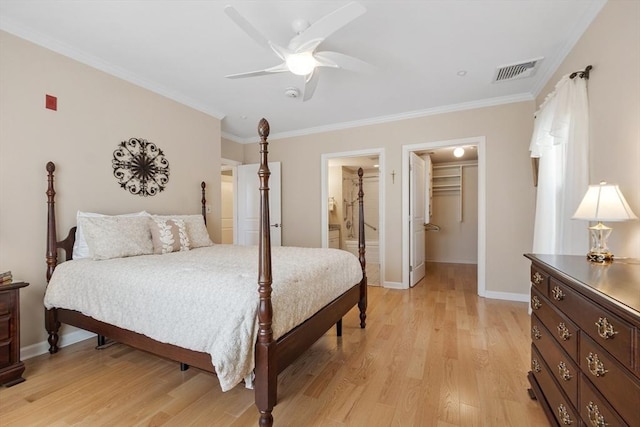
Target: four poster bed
(276,337)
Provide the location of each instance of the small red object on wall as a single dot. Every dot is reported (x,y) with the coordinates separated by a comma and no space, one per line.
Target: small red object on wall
(51,102)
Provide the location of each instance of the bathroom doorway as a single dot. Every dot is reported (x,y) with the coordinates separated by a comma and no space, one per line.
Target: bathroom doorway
(340,222)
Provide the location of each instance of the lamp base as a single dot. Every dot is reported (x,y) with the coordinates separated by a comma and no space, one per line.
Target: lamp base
(600,257)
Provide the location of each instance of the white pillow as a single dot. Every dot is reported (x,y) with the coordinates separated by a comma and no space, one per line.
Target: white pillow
(117,236)
(196,229)
(80,248)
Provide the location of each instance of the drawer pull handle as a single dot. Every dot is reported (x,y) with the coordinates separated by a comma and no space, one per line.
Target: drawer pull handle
(564,372)
(557,293)
(563,331)
(596,367)
(595,418)
(535,365)
(535,302)
(537,278)
(605,329)
(535,331)
(564,415)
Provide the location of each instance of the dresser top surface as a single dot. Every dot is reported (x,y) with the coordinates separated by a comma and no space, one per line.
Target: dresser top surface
(618,280)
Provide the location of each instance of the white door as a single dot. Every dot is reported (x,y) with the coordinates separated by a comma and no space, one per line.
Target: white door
(416,208)
(248,196)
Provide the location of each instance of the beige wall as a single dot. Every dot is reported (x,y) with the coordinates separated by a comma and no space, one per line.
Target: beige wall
(612,45)
(95,112)
(510,192)
(231,150)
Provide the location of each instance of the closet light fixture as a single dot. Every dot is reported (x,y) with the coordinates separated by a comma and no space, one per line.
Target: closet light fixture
(603,202)
(458,152)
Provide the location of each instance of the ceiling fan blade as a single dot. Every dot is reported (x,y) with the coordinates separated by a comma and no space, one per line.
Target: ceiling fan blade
(329,24)
(277,69)
(310,84)
(340,60)
(247,27)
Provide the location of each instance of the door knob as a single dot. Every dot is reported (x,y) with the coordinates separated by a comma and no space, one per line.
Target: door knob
(276,225)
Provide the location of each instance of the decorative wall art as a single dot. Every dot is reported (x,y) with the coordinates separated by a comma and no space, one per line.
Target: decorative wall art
(140,167)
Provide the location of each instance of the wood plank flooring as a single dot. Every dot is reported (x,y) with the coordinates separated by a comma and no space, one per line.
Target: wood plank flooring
(435,355)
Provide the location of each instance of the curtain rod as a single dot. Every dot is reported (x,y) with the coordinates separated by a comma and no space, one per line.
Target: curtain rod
(584,74)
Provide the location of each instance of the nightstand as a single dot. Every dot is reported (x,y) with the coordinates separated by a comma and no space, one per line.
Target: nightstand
(11,368)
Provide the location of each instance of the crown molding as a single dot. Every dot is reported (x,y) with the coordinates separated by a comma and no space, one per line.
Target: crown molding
(483,103)
(64,49)
(577,32)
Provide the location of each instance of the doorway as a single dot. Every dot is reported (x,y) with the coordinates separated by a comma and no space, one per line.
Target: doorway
(339,225)
(449,180)
(228,201)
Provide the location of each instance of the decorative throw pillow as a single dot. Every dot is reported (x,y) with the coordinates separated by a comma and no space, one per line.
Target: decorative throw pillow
(169,235)
(116,236)
(80,247)
(196,229)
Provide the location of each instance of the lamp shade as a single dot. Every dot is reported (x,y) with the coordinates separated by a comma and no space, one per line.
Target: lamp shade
(604,202)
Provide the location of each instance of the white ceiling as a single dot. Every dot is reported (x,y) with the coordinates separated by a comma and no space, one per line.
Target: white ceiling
(183,50)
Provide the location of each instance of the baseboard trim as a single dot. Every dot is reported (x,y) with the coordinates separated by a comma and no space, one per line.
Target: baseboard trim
(42,347)
(394,285)
(508,296)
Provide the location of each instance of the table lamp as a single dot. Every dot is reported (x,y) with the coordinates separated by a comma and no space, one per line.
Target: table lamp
(603,202)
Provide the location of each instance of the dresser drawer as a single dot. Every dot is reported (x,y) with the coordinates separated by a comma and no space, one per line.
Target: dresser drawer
(5,354)
(5,327)
(611,379)
(561,366)
(539,280)
(594,409)
(5,302)
(562,408)
(611,332)
(562,329)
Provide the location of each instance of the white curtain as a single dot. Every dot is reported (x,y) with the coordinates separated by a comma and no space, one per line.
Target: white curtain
(561,141)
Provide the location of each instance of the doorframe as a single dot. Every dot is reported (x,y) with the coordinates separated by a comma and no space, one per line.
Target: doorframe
(324,199)
(480,141)
(228,164)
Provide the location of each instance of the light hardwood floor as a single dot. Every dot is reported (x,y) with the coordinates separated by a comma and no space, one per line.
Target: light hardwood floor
(436,355)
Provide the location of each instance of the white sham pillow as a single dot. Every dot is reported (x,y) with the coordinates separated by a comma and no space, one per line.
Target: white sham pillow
(80,247)
(117,236)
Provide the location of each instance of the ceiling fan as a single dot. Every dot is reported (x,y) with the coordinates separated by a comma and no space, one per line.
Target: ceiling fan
(300,56)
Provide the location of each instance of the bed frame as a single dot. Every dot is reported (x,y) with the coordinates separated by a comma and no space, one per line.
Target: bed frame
(271,356)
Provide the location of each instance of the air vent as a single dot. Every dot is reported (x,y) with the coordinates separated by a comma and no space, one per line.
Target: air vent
(516,71)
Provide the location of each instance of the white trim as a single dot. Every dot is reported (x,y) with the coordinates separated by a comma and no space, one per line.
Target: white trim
(480,141)
(490,102)
(393,285)
(324,197)
(42,347)
(97,63)
(507,296)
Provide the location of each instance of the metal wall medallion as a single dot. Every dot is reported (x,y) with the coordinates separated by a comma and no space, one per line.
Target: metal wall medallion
(140,167)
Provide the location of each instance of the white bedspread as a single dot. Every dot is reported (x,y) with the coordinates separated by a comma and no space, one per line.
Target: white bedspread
(205,299)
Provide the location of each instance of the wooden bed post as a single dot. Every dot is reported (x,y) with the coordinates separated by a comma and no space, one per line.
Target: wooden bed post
(362,303)
(204,203)
(266,371)
(51,321)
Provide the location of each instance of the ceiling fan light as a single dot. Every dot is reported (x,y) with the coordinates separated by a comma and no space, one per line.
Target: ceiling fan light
(301,63)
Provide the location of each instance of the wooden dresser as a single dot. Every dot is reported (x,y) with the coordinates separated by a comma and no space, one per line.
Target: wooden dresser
(585,329)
